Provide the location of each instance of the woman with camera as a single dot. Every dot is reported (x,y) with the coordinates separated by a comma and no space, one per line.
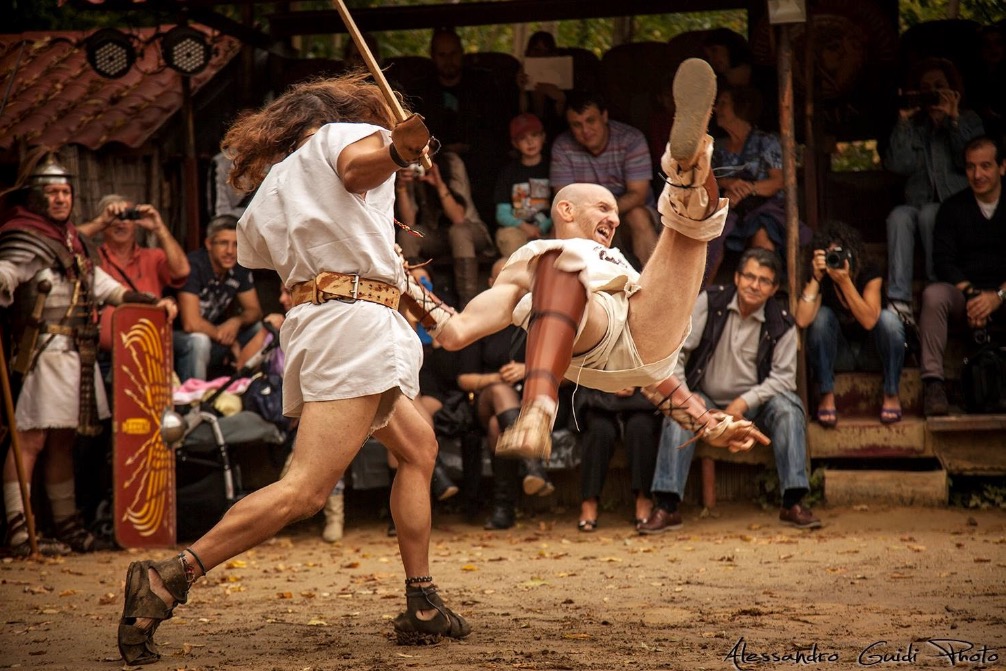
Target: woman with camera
(438,204)
(927,148)
(839,306)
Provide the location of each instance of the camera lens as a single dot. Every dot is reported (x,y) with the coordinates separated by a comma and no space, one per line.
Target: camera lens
(835,258)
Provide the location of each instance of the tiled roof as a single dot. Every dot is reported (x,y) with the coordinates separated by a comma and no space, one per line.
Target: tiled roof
(58,99)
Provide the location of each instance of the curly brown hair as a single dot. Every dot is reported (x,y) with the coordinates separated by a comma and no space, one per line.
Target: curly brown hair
(258,139)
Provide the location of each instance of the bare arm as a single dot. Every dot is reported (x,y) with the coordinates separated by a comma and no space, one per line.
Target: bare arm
(365,164)
(865,308)
(251,310)
(192,318)
(178,262)
(487,313)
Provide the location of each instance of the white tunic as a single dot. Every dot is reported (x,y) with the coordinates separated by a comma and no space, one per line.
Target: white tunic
(50,392)
(303,221)
(613,364)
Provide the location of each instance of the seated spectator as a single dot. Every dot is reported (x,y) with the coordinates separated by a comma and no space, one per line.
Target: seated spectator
(741,357)
(605,417)
(145,269)
(546,101)
(210,334)
(438,204)
(730,56)
(969,245)
(748,168)
(493,369)
(523,196)
(615,155)
(840,306)
(927,147)
(468,110)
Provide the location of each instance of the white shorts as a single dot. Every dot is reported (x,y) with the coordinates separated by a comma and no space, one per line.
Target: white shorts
(614,364)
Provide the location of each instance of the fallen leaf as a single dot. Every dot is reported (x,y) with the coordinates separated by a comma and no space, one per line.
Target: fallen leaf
(284,595)
(469,567)
(315,622)
(106,599)
(68,592)
(611,559)
(578,637)
(236,563)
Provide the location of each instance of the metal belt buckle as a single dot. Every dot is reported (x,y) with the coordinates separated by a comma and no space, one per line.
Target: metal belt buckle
(354,292)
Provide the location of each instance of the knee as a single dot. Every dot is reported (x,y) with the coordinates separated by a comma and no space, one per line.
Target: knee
(889,326)
(200,345)
(902,217)
(823,326)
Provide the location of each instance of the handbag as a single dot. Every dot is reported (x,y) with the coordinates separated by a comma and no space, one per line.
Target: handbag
(456,417)
(983,379)
(264,396)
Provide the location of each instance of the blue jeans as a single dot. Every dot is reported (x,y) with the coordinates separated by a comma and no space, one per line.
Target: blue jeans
(781,418)
(195,352)
(902,223)
(829,350)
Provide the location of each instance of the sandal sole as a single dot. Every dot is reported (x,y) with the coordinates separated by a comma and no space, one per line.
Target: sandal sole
(133,653)
(694,94)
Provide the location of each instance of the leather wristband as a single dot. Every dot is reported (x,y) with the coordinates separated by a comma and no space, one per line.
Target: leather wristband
(396,157)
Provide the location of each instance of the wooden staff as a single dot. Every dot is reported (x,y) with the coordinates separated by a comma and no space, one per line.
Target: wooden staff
(15,446)
(375,69)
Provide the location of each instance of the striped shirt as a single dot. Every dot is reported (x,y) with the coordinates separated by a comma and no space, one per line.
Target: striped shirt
(626,158)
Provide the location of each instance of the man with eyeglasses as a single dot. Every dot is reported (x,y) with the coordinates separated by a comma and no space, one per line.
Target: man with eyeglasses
(218,307)
(740,357)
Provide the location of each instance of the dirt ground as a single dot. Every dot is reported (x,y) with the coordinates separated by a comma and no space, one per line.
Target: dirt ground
(886,587)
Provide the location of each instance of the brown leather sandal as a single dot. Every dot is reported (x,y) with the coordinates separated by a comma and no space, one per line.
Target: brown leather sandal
(411,630)
(136,645)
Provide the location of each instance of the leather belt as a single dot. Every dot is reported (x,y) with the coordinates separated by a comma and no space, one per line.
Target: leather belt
(328,286)
(59,329)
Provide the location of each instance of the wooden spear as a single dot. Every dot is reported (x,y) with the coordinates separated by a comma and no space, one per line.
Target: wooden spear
(15,446)
(375,70)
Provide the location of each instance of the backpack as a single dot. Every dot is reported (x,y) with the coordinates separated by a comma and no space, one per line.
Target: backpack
(983,380)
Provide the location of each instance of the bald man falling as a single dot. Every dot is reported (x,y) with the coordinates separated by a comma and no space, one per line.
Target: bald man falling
(589,315)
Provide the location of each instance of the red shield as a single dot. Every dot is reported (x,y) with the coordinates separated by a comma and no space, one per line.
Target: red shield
(144,469)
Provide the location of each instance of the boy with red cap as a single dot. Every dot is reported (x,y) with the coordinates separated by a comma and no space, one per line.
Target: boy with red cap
(523,194)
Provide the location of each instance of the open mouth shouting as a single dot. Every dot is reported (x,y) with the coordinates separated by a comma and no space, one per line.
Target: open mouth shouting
(604,233)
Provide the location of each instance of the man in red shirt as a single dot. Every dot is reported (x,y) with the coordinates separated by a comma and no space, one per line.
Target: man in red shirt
(146,269)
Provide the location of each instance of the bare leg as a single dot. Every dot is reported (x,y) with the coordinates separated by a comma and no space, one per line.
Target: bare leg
(411,439)
(330,435)
(692,214)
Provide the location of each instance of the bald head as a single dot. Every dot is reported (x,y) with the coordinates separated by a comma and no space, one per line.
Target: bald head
(585,211)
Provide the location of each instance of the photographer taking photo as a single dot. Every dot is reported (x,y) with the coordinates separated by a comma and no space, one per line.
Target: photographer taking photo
(839,306)
(927,147)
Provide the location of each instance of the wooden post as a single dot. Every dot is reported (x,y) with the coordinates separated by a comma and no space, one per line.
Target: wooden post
(788,142)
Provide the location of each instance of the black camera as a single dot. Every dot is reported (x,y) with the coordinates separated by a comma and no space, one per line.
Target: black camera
(836,258)
(132,214)
(909,100)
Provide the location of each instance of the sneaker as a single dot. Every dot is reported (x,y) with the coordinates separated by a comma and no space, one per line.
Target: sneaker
(934,399)
(441,486)
(660,521)
(536,482)
(800,517)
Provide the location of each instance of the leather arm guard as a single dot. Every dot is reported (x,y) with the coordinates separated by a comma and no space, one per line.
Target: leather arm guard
(423,304)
